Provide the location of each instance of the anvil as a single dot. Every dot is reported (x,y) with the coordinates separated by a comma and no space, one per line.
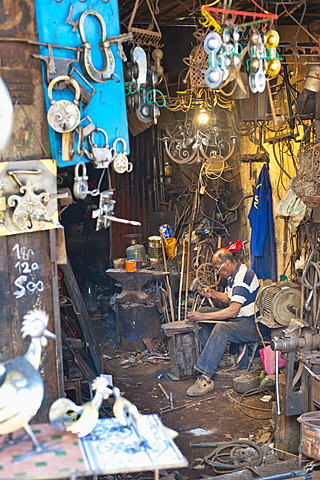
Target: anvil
(132,283)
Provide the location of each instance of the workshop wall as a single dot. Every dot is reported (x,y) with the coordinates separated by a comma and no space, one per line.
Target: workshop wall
(22,75)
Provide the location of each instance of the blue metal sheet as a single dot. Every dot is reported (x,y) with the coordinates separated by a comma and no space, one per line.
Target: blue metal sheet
(107,108)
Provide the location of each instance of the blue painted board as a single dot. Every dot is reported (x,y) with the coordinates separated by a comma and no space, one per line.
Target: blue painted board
(107,108)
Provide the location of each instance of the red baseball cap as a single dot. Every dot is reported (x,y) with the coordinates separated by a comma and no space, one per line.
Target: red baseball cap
(235,247)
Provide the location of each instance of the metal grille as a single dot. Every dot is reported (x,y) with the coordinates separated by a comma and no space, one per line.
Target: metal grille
(306,184)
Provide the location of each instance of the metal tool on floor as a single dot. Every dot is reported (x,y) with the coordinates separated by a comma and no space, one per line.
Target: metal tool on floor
(169,396)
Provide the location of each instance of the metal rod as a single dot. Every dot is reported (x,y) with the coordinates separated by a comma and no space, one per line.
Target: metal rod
(278,412)
(181,277)
(188,269)
(280,476)
(164,391)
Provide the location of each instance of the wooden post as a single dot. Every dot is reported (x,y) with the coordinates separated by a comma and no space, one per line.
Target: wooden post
(36,287)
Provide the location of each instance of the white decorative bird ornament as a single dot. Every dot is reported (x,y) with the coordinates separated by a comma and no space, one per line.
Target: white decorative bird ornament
(21,385)
(80,419)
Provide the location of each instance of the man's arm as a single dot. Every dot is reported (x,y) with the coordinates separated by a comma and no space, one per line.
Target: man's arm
(229,312)
(211,293)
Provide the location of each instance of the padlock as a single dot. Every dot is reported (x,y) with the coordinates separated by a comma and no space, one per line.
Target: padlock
(121,163)
(100,156)
(80,185)
(64,116)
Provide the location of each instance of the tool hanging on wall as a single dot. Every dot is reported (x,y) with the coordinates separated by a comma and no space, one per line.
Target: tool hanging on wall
(56,66)
(86,94)
(157,56)
(142,36)
(131,74)
(104,214)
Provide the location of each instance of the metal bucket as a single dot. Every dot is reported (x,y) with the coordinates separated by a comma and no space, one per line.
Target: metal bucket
(310,434)
(312,80)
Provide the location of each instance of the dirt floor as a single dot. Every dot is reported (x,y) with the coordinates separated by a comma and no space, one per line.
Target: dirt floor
(221,416)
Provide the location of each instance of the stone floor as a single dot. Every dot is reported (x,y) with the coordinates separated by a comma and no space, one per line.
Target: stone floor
(221,416)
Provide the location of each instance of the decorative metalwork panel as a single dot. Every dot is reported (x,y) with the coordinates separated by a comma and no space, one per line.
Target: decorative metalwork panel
(306,184)
(28,196)
(112,448)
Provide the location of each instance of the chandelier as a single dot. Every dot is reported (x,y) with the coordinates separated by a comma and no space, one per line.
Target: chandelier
(189,142)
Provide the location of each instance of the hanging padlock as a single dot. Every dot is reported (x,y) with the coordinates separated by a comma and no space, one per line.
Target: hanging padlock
(64,116)
(100,156)
(121,163)
(80,185)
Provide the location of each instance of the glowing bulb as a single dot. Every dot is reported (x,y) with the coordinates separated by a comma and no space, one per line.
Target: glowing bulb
(203,116)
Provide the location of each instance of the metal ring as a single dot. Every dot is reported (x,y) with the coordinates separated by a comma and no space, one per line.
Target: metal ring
(66,79)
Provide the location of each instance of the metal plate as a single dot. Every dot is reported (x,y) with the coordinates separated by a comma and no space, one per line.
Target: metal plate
(29,197)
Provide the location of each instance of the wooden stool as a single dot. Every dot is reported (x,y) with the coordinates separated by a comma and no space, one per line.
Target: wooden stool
(184,348)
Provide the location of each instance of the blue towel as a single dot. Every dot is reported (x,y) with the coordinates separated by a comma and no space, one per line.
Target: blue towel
(262,243)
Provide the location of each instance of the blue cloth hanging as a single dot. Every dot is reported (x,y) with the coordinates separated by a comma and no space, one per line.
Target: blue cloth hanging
(262,243)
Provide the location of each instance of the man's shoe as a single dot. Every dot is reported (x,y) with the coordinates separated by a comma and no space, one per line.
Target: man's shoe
(200,387)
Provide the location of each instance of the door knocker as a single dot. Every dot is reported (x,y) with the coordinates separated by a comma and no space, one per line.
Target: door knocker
(108,58)
(64,116)
(121,163)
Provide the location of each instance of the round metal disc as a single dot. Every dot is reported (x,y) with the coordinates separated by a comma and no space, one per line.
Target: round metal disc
(285,300)
(212,42)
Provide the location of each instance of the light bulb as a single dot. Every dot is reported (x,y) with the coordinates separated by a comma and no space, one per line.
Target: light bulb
(203,117)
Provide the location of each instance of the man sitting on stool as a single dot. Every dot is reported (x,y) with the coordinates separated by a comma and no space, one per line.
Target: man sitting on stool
(239,325)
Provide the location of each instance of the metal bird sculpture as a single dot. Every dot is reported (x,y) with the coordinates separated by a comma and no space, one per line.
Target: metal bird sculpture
(80,419)
(128,415)
(21,386)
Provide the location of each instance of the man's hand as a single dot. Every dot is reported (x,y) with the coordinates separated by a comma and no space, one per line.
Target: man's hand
(207,292)
(195,317)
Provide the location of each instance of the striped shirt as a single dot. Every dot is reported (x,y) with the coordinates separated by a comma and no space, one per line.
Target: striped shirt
(243,287)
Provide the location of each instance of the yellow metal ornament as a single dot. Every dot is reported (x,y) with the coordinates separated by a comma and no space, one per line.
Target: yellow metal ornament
(272,39)
(273,67)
